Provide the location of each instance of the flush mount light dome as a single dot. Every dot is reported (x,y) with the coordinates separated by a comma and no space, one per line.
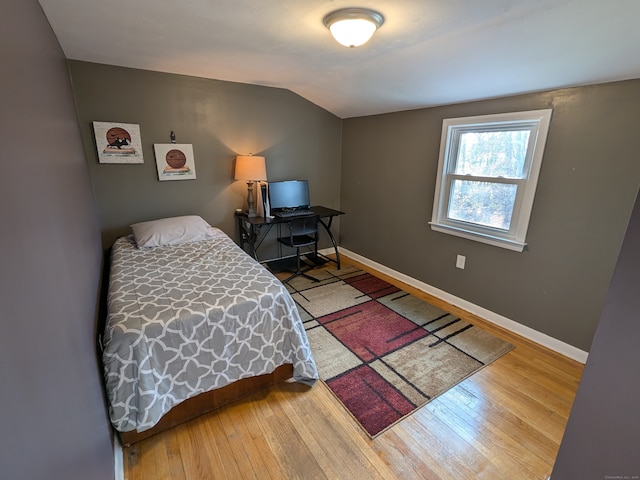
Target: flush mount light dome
(353,27)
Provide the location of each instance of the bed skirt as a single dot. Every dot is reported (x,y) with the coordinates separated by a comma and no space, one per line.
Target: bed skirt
(209,401)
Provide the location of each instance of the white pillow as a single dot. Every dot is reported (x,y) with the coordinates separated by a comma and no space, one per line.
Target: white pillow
(171,231)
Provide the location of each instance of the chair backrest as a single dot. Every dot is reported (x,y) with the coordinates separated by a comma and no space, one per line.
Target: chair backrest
(307,225)
(303,230)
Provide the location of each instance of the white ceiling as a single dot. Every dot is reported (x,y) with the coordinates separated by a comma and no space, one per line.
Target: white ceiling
(427,52)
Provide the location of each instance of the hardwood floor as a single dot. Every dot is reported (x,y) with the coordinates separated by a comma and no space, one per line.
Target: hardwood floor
(504,422)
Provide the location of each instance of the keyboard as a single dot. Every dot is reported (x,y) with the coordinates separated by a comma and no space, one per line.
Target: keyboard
(294,213)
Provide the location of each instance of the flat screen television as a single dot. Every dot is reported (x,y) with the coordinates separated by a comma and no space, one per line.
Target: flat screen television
(288,195)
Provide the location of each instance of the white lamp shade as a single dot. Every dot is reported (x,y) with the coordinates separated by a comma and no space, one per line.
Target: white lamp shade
(352,32)
(353,27)
(250,168)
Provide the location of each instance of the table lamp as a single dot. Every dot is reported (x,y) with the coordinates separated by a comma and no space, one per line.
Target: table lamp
(251,169)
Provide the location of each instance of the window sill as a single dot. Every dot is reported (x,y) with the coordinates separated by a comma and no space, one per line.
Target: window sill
(479,237)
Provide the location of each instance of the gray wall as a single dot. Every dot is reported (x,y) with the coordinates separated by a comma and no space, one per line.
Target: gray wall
(603,432)
(53,417)
(589,178)
(220,119)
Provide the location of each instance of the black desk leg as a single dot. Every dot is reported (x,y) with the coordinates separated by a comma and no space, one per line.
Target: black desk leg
(327,227)
(247,236)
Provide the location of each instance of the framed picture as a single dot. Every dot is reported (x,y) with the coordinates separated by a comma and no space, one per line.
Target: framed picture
(175,161)
(118,142)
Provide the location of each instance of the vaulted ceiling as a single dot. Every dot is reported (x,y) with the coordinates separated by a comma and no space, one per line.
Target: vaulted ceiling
(427,52)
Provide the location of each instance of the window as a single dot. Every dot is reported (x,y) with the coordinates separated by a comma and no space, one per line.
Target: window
(487,176)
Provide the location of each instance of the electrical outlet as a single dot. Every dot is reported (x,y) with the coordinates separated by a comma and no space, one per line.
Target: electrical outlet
(460,261)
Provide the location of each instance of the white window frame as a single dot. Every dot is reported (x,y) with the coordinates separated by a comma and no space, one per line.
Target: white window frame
(537,122)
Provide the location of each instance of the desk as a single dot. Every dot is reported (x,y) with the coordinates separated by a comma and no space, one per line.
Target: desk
(252,231)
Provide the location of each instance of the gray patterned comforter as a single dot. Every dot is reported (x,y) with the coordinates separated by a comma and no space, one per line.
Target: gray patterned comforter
(187,319)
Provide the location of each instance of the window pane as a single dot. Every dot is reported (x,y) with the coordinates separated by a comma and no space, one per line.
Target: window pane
(482,203)
(492,154)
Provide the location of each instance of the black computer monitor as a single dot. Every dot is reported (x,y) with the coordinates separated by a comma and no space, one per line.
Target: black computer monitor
(289,195)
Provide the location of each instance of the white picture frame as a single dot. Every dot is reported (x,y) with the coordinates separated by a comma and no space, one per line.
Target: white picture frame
(175,161)
(118,142)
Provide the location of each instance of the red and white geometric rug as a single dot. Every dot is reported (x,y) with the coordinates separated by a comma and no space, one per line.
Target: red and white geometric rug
(383,352)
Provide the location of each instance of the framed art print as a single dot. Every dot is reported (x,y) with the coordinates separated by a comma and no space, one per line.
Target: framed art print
(118,142)
(175,161)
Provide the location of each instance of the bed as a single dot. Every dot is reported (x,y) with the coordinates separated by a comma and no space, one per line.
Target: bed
(192,320)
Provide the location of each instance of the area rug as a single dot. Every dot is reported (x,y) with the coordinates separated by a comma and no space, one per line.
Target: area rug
(383,352)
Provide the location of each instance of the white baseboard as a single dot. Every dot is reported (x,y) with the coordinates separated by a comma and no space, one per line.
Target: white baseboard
(504,322)
(118,459)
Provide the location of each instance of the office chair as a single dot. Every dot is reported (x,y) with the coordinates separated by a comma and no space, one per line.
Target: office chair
(303,232)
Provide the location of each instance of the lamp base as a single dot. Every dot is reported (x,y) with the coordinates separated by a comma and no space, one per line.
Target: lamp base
(251,212)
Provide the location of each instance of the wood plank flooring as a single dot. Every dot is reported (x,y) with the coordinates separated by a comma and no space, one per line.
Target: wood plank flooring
(504,422)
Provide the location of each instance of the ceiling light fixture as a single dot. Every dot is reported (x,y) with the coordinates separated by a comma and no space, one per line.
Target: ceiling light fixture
(353,27)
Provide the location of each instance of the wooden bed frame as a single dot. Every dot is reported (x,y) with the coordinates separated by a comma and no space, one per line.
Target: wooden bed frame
(209,401)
